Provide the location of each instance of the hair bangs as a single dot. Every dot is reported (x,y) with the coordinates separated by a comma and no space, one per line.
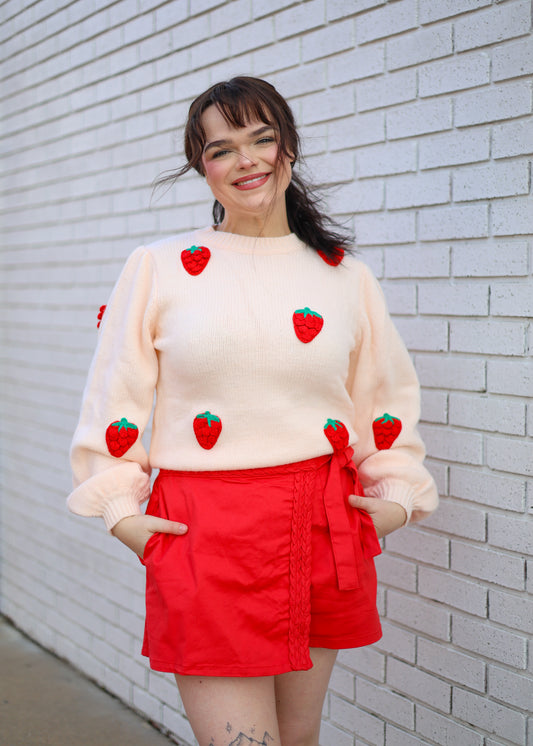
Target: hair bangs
(239,107)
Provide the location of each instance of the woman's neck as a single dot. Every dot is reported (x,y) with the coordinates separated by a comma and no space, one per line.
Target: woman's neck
(267,226)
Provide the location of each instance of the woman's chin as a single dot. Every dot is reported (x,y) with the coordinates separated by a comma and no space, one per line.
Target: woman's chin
(258,211)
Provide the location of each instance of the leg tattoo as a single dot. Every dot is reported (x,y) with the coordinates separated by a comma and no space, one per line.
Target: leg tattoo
(243,740)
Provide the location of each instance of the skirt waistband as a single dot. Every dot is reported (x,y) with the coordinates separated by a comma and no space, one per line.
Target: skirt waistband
(310,464)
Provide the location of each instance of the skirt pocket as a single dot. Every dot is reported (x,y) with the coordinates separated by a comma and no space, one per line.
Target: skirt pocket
(149,547)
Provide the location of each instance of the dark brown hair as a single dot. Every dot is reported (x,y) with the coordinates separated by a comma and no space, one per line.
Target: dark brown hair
(244,99)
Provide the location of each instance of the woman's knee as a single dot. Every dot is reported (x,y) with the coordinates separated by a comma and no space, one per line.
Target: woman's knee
(300,734)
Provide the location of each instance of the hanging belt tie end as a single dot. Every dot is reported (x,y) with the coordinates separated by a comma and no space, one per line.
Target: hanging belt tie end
(348,553)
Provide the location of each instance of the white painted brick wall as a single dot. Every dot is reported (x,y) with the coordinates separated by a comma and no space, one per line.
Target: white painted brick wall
(420,113)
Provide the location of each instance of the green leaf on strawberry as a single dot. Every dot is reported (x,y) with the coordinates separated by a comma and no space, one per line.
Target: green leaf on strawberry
(386,429)
(120,436)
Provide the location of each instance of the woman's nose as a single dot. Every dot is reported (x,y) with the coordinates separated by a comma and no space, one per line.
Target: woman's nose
(245,159)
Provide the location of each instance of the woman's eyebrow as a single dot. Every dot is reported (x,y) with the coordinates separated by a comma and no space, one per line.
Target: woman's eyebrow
(219,143)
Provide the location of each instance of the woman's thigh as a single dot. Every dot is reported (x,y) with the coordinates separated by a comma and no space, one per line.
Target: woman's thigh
(228,711)
(300,697)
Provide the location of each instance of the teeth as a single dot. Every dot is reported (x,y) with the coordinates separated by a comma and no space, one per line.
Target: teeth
(251,181)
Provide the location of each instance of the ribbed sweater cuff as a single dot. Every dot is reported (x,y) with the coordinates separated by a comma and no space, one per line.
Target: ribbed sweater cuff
(395,491)
(120,508)
(113,494)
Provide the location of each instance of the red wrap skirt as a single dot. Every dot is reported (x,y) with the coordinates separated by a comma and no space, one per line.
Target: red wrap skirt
(275,561)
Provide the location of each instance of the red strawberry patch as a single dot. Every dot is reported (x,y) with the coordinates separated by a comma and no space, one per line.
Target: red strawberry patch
(195,259)
(100,315)
(337,434)
(207,428)
(307,324)
(120,436)
(332,261)
(386,429)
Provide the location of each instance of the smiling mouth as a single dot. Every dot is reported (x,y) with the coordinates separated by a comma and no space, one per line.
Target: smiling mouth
(250,182)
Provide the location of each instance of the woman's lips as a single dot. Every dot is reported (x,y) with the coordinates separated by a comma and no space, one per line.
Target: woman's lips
(251,182)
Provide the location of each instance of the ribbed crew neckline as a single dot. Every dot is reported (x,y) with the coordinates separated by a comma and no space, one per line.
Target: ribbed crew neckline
(250,244)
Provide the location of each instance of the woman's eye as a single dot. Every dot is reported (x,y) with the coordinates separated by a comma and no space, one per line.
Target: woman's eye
(266,140)
(220,153)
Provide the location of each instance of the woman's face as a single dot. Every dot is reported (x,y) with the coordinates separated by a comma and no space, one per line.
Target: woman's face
(242,169)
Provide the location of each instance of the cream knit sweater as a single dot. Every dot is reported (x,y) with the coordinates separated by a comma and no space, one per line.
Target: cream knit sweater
(251,345)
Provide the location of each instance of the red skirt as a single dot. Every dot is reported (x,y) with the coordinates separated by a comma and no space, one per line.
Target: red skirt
(275,561)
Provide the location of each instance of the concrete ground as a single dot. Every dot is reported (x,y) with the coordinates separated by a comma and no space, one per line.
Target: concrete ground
(45,702)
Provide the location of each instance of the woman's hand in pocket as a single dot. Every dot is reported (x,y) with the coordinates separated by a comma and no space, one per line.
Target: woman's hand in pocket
(135,530)
(386,515)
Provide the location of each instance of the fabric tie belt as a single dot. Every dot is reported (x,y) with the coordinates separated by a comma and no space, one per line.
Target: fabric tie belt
(346,551)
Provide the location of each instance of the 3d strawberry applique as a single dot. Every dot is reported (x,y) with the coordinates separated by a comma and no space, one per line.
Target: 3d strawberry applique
(100,315)
(337,434)
(207,428)
(386,429)
(307,324)
(195,259)
(120,436)
(334,261)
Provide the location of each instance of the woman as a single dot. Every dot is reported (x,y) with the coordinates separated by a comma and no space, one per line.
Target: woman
(280,383)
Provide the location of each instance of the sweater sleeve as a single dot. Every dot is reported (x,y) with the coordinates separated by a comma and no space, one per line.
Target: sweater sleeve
(109,463)
(385,392)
